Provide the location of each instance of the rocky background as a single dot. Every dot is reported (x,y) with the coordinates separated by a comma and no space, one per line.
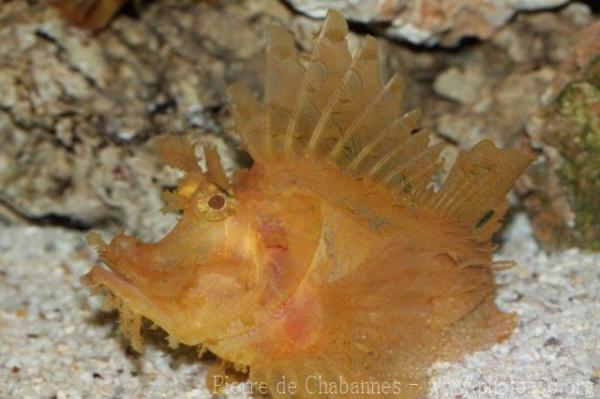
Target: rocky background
(79,109)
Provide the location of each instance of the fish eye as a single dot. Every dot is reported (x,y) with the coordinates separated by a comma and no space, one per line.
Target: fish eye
(213,205)
(216,202)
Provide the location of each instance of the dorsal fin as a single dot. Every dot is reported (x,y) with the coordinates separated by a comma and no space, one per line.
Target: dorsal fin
(336,108)
(474,191)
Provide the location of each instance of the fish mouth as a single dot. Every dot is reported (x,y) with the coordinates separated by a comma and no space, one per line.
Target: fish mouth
(131,303)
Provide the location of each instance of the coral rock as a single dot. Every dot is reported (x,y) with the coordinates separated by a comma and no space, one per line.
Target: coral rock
(563,190)
(443,22)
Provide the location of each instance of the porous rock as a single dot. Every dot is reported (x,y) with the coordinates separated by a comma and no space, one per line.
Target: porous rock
(562,192)
(423,22)
(78,111)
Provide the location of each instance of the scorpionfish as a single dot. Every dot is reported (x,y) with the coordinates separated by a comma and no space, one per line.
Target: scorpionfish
(333,259)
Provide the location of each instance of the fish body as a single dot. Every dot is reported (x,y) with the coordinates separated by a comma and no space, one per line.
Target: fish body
(331,259)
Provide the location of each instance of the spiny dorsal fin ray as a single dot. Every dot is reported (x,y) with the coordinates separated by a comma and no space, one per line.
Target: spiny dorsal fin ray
(475,189)
(380,144)
(283,79)
(329,62)
(412,146)
(344,98)
(384,107)
(337,108)
(413,175)
(249,120)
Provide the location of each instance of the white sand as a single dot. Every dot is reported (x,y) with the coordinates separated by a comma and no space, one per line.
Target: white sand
(55,343)
(555,350)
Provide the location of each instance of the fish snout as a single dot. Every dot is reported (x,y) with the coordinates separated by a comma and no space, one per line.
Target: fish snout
(131,258)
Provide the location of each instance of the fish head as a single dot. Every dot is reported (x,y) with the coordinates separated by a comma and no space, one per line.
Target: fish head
(191,282)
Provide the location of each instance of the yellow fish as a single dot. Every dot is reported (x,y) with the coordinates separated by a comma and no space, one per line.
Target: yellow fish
(331,266)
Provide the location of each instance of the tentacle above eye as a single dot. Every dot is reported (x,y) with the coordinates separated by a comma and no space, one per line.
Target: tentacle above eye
(214,169)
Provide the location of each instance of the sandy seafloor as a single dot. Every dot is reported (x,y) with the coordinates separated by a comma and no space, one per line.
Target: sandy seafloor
(55,343)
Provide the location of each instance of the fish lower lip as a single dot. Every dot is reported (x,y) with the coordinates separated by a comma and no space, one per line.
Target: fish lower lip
(134,299)
(121,287)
